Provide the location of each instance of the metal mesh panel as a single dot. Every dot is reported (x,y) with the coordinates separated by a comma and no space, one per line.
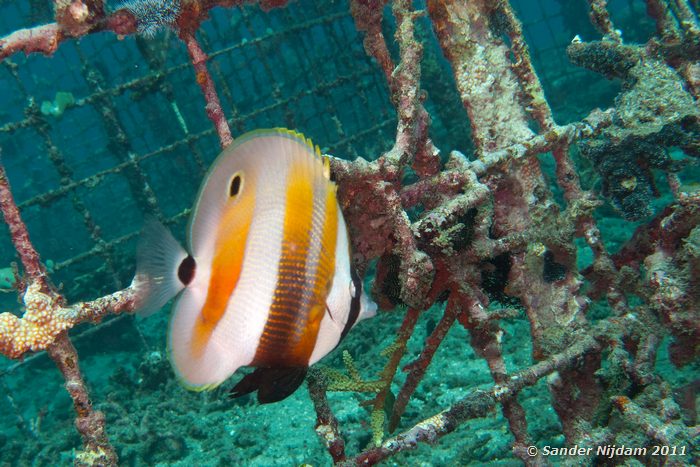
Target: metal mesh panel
(143,122)
(143,125)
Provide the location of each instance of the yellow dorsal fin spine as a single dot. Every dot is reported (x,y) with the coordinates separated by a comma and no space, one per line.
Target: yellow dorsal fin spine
(283,132)
(313,148)
(326,166)
(298,136)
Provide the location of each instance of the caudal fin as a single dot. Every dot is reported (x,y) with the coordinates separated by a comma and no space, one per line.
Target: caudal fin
(158,259)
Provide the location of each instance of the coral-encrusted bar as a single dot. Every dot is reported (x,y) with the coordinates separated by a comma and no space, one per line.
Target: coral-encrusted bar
(90,423)
(600,17)
(44,319)
(43,39)
(478,404)
(82,17)
(44,325)
(18,229)
(417,368)
(326,424)
(206,83)
(19,233)
(482,71)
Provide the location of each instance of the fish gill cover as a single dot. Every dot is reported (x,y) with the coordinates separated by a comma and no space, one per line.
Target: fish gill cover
(521,186)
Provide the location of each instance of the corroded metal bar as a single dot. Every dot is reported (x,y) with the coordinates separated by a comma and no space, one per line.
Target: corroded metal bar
(20,236)
(43,326)
(206,83)
(600,17)
(90,423)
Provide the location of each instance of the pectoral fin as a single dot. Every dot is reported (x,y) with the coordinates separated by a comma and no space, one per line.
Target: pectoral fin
(163,268)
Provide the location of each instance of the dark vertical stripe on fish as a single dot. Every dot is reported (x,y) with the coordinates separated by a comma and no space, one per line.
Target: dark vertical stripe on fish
(298,302)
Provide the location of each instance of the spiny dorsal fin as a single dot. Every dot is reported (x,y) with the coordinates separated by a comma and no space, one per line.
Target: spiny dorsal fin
(326,167)
(295,135)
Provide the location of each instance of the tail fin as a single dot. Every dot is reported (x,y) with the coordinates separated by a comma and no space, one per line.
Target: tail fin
(158,258)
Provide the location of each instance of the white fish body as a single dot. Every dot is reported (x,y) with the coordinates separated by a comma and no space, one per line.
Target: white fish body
(268,280)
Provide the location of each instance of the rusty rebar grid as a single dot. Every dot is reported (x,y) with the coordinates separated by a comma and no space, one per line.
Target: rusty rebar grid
(43,326)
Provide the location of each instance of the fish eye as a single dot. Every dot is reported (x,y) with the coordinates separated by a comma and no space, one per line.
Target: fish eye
(235,185)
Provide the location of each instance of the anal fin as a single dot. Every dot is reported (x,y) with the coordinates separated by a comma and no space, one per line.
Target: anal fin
(272,384)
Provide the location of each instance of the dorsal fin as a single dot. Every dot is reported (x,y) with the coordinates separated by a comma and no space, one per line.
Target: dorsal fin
(326,167)
(295,135)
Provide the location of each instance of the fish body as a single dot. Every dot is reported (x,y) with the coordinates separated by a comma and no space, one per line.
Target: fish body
(266,279)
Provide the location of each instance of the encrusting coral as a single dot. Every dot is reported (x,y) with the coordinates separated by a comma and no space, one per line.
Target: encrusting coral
(653,113)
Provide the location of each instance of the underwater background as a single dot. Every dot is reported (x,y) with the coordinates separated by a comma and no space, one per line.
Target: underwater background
(107,131)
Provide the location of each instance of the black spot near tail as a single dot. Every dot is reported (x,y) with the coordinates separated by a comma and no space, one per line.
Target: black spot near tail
(185,272)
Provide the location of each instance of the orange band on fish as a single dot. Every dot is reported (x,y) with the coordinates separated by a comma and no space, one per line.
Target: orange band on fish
(225,269)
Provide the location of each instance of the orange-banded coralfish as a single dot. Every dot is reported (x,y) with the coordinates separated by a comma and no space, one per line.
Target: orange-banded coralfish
(266,280)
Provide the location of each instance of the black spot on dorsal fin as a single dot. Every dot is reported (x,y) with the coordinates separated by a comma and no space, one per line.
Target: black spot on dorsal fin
(272,384)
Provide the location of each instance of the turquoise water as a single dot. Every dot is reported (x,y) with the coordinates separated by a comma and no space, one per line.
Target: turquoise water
(108,131)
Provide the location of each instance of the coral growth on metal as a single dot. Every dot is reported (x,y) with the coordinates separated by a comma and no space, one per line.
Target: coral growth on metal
(495,204)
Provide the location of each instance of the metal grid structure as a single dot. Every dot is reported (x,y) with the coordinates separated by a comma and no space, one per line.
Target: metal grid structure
(143,122)
(143,125)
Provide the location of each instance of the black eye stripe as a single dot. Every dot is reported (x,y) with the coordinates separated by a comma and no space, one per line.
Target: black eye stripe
(235,186)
